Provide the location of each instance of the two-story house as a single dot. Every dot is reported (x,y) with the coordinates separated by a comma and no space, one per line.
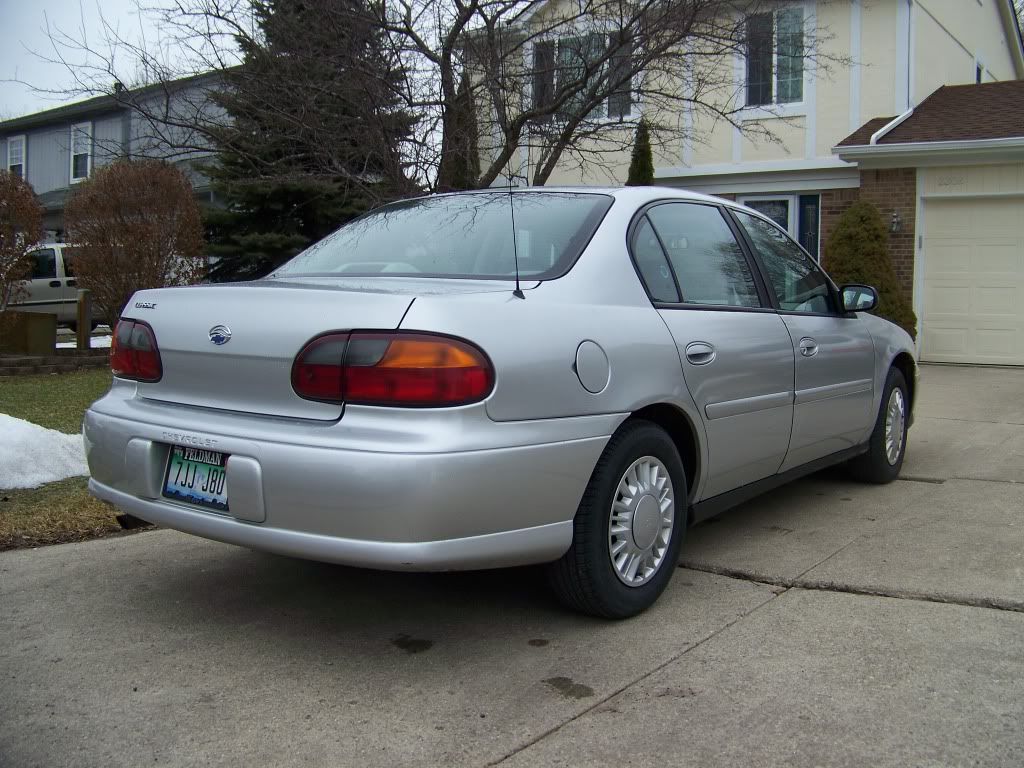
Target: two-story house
(58,148)
(956,205)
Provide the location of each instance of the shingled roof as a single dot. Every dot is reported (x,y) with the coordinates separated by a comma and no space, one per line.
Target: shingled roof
(954,113)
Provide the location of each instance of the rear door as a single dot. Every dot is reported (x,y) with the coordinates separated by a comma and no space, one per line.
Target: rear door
(69,282)
(834,352)
(737,359)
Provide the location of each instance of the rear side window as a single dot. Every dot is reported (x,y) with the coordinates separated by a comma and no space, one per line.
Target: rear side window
(707,259)
(653,264)
(44,264)
(462,235)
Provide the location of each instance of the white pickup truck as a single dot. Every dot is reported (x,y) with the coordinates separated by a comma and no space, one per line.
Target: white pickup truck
(52,288)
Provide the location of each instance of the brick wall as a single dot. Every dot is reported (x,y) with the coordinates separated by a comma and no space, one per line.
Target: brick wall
(891,190)
(834,203)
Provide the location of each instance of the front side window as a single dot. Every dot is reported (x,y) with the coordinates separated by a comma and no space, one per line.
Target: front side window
(16,156)
(81,151)
(463,235)
(775,57)
(44,264)
(799,284)
(709,265)
(565,63)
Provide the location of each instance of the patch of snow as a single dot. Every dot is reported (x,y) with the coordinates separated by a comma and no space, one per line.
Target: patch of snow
(98,342)
(31,455)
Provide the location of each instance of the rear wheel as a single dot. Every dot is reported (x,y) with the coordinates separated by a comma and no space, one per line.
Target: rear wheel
(888,443)
(628,528)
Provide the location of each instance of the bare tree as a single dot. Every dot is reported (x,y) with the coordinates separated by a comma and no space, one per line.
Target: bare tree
(554,83)
(21,225)
(134,225)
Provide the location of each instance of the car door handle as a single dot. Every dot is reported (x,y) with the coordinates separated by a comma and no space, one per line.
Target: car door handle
(700,353)
(55,283)
(808,347)
(71,283)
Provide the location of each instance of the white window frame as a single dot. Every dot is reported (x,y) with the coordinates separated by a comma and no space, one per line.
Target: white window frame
(85,128)
(793,200)
(776,109)
(24,154)
(635,100)
(792,226)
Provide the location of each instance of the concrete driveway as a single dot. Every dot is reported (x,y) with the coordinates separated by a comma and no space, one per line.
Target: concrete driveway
(827,624)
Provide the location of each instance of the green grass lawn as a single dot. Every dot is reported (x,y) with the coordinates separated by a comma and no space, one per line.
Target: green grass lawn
(61,511)
(55,401)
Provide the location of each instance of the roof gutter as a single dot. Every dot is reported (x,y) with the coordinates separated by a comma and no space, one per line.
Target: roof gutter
(853,153)
(889,126)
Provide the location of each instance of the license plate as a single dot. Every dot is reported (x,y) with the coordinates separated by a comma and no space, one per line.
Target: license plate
(197,476)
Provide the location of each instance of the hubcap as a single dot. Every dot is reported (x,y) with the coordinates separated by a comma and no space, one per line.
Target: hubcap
(895,418)
(640,525)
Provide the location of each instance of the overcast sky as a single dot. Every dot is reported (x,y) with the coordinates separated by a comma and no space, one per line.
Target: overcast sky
(24,27)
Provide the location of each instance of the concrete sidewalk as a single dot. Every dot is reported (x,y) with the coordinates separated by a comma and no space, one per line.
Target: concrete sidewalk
(827,623)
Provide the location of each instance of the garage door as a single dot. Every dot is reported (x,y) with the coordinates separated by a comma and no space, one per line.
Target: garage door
(973,302)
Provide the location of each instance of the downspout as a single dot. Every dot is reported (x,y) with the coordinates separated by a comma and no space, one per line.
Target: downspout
(877,135)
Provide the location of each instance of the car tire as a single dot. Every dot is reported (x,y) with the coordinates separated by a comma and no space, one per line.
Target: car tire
(888,442)
(586,578)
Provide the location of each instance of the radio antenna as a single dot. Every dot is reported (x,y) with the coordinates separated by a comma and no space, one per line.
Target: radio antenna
(518,292)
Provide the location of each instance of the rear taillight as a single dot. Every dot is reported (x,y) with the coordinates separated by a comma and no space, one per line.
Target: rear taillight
(134,353)
(392,368)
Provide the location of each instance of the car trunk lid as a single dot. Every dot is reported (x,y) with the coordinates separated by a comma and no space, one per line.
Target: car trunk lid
(232,347)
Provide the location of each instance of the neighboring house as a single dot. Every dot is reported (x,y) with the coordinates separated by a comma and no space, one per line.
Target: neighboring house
(58,148)
(949,178)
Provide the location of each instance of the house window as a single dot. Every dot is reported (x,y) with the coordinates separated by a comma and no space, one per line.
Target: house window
(978,72)
(564,63)
(81,151)
(775,57)
(16,156)
(798,215)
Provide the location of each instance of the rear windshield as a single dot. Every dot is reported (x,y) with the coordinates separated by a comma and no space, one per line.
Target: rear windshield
(467,235)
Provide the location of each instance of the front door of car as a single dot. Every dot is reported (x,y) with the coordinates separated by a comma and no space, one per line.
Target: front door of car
(834,351)
(45,288)
(736,356)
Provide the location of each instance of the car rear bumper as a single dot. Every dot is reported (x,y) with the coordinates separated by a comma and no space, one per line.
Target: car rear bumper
(524,546)
(335,500)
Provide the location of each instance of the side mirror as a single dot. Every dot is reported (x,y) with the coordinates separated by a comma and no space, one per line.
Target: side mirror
(858,298)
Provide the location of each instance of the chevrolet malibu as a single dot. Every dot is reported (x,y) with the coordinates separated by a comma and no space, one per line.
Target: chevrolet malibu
(561,376)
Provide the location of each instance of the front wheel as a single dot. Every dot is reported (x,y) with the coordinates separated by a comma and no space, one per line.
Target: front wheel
(888,442)
(629,526)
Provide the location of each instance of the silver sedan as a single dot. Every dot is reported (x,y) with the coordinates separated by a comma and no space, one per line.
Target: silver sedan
(560,376)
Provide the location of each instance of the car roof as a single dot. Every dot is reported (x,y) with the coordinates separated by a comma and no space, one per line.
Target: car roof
(638,195)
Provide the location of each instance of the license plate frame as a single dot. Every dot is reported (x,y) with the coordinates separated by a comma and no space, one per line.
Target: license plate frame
(186,459)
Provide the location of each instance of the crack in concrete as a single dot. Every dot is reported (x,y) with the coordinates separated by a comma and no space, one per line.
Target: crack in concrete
(988,480)
(820,585)
(605,699)
(972,421)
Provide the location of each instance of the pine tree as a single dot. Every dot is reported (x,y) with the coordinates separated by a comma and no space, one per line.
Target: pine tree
(641,165)
(858,252)
(311,140)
